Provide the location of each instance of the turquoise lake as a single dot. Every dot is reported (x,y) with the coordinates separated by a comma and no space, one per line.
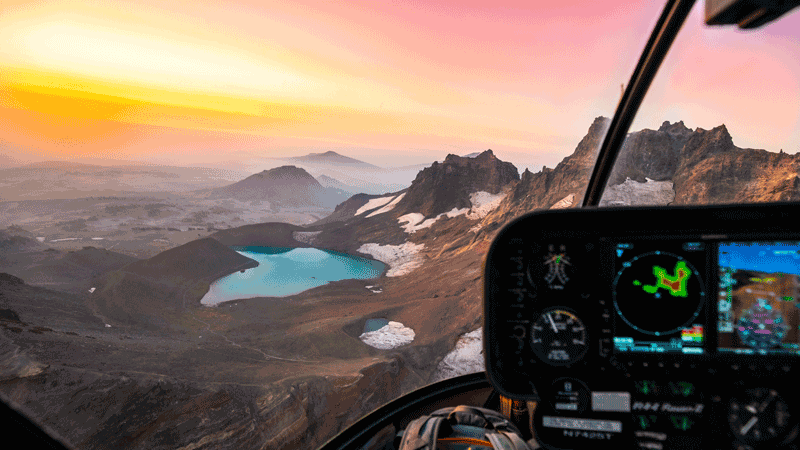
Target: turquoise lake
(287,271)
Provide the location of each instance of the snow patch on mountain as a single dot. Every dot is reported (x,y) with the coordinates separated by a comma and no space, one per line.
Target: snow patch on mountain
(416,221)
(632,193)
(374,203)
(392,335)
(388,207)
(483,203)
(466,357)
(401,259)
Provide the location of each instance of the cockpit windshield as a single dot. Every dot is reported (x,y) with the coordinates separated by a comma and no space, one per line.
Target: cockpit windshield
(246,224)
(719,123)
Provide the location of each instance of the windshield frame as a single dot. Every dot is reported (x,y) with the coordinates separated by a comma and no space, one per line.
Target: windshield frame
(669,24)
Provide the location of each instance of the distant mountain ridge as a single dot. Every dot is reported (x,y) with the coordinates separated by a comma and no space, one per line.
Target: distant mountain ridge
(287,186)
(330,158)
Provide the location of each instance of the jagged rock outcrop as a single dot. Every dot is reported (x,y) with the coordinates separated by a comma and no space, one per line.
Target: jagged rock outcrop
(713,170)
(652,154)
(543,189)
(442,187)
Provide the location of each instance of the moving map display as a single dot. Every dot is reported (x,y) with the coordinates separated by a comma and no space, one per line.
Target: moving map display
(659,296)
(757,303)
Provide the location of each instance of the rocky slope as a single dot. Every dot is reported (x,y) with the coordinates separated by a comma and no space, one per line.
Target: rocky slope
(285,373)
(173,280)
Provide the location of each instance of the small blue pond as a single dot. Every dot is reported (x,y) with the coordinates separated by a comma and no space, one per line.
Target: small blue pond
(374,324)
(287,271)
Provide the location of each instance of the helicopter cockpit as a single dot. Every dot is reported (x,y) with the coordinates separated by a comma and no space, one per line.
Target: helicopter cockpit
(662,328)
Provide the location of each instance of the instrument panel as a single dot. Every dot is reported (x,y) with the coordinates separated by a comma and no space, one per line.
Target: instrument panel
(669,327)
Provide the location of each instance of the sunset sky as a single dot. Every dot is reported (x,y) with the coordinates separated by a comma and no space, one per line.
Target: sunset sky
(390,83)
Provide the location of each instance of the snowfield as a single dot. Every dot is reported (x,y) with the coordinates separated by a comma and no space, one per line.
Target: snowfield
(482,204)
(401,259)
(631,193)
(393,335)
(388,207)
(466,357)
(374,203)
(416,220)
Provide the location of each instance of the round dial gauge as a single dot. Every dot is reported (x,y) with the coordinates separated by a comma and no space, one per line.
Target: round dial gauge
(558,337)
(761,327)
(658,293)
(758,415)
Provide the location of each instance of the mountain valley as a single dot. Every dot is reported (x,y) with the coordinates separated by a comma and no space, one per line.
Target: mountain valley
(107,345)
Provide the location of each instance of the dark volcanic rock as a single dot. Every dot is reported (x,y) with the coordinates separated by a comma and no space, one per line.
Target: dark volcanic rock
(10,280)
(347,209)
(10,315)
(175,279)
(272,234)
(442,187)
(651,154)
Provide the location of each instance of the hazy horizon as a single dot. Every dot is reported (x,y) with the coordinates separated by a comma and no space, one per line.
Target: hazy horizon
(229,84)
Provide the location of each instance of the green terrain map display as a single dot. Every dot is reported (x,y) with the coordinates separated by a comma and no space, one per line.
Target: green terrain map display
(675,284)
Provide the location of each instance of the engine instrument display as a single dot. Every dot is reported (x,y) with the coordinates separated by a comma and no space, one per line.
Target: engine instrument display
(757,306)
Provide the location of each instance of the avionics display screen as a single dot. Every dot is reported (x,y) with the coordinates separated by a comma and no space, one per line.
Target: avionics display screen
(757,300)
(659,296)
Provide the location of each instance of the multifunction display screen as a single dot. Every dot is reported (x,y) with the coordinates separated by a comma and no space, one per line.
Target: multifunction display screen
(659,296)
(757,301)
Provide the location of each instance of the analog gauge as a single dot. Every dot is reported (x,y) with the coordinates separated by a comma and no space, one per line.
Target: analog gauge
(658,293)
(558,337)
(761,327)
(758,415)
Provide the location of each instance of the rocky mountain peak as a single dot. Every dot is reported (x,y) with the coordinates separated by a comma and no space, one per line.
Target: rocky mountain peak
(286,173)
(703,144)
(674,128)
(447,185)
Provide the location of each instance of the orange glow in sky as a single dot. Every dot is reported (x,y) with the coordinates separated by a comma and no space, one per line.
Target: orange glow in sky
(390,83)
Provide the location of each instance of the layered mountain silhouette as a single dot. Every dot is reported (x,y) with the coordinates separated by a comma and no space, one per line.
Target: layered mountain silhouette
(330,158)
(230,373)
(285,186)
